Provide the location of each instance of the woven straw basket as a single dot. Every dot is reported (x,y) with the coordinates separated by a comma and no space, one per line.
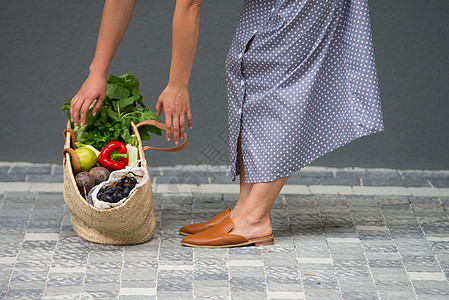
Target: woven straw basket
(131,223)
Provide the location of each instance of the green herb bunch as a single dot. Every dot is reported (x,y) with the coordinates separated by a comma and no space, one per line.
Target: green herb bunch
(113,120)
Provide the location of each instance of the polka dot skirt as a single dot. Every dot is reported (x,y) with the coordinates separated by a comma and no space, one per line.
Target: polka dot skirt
(301,82)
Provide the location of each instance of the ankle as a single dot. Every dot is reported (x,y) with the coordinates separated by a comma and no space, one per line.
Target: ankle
(255,218)
(259,219)
(252,225)
(235,211)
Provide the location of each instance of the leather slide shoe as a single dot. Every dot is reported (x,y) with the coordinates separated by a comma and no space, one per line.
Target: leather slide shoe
(218,236)
(195,228)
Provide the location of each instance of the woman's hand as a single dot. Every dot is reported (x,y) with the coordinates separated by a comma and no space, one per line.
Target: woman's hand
(175,98)
(176,104)
(114,23)
(93,88)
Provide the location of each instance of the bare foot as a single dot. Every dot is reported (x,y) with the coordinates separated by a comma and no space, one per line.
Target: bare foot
(250,228)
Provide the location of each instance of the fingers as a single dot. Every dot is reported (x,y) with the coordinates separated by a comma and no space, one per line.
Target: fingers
(176,129)
(158,108)
(189,118)
(97,105)
(94,87)
(174,101)
(75,109)
(79,108)
(71,109)
(181,128)
(168,120)
(84,110)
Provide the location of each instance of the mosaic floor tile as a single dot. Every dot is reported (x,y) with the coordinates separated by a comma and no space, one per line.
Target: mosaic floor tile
(32,266)
(282,275)
(29,283)
(139,274)
(68,292)
(389,274)
(29,278)
(170,295)
(143,283)
(206,260)
(247,284)
(113,287)
(375,244)
(433,287)
(428,297)
(421,264)
(346,251)
(382,178)
(244,257)
(293,288)
(102,277)
(383,256)
(422,275)
(74,262)
(36,250)
(206,291)
(279,259)
(365,236)
(9,249)
(174,284)
(415,250)
(320,281)
(359,295)
(381,263)
(212,272)
(25,294)
(246,271)
(104,267)
(179,273)
(326,247)
(351,269)
(357,285)
(98,295)
(322,293)
(176,254)
(395,290)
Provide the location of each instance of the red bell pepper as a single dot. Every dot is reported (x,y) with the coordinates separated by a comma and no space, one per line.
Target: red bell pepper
(113,156)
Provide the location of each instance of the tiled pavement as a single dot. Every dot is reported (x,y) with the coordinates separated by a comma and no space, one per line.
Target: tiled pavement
(339,234)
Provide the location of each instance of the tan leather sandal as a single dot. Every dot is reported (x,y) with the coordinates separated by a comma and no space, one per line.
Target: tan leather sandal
(195,228)
(218,236)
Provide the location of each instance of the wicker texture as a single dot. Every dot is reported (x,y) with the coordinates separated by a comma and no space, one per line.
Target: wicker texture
(133,222)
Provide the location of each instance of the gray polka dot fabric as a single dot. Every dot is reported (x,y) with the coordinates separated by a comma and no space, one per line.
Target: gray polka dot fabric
(301,82)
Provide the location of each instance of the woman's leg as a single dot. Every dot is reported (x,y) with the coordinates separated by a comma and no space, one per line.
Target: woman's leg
(253,219)
(251,214)
(245,188)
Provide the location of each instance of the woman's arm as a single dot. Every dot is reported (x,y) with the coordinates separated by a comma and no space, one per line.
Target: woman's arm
(175,97)
(114,23)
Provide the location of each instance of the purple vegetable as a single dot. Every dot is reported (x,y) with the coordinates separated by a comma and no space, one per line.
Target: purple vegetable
(99,174)
(85,183)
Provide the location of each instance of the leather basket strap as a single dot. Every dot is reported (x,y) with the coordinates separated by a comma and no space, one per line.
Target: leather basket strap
(75,159)
(164,128)
(72,136)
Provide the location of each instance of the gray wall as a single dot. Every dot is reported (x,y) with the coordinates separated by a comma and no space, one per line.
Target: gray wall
(47,46)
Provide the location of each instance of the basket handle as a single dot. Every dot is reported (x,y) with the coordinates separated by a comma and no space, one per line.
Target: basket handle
(75,159)
(164,128)
(72,136)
